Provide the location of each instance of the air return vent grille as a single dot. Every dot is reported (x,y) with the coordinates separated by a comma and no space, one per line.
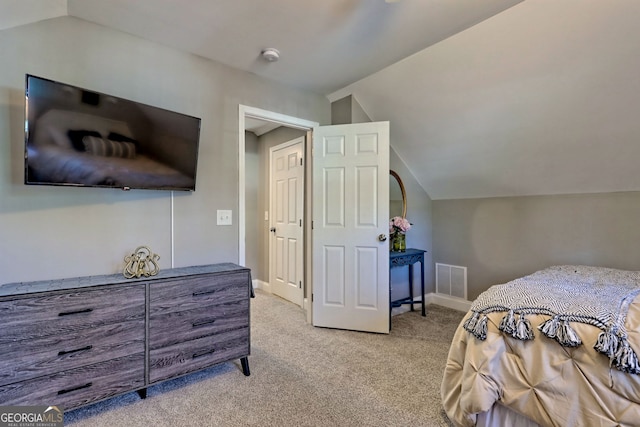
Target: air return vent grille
(451,280)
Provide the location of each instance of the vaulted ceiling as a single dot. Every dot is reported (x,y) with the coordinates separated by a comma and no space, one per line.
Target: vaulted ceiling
(542,99)
(485,98)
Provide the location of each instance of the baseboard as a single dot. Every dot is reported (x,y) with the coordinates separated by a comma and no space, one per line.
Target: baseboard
(259,284)
(448,301)
(437,299)
(453,303)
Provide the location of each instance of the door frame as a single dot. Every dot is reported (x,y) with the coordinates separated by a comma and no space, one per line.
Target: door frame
(245,111)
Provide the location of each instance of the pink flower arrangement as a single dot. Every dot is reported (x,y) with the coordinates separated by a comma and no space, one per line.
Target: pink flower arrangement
(398,224)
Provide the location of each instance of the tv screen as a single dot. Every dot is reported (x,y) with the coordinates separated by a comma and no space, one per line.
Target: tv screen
(79,137)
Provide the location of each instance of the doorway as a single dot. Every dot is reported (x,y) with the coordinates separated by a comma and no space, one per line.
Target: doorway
(353,200)
(246,165)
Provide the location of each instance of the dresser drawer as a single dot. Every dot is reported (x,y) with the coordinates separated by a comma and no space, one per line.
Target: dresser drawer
(78,387)
(189,356)
(170,328)
(64,312)
(197,291)
(27,359)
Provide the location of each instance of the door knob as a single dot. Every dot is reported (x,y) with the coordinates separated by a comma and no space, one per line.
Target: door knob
(273,229)
(382,237)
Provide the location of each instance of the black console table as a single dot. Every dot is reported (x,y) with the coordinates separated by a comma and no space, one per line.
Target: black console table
(408,258)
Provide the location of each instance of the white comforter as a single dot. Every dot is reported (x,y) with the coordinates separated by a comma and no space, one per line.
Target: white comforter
(539,379)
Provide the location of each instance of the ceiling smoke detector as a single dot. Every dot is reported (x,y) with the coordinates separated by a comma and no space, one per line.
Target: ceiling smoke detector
(271,54)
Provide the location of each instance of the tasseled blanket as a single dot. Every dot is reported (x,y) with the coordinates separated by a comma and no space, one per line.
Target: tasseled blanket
(568,293)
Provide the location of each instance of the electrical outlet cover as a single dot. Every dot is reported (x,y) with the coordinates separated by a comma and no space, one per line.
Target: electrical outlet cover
(224,217)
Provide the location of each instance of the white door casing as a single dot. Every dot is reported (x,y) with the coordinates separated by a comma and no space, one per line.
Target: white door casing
(245,112)
(350,212)
(286,220)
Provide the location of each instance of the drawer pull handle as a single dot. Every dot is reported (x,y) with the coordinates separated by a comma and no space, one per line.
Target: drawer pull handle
(65,352)
(197,294)
(68,313)
(203,323)
(204,353)
(69,390)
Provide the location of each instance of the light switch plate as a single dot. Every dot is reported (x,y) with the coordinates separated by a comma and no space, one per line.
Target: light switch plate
(224,217)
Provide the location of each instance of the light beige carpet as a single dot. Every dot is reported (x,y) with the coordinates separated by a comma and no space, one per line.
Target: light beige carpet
(303,376)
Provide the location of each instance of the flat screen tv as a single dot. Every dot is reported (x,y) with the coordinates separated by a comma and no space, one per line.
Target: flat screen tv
(80,137)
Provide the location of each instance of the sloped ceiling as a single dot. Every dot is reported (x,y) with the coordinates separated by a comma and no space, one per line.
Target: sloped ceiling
(324,44)
(485,98)
(19,12)
(541,99)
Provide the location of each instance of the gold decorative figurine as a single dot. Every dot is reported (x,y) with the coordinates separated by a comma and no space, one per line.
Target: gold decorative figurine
(142,262)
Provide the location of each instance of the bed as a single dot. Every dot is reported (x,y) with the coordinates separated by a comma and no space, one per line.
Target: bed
(555,348)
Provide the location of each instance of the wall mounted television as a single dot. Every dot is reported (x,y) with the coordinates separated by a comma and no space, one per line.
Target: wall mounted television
(79,137)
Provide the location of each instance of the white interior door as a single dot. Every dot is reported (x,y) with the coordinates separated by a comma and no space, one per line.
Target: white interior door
(350,212)
(286,212)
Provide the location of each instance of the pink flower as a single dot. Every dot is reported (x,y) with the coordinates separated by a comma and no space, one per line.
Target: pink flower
(399,224)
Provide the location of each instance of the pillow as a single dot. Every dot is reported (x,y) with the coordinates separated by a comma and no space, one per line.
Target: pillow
(76,137)
(108,148)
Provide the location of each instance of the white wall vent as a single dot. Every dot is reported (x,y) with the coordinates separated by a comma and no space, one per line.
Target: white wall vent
(451,280)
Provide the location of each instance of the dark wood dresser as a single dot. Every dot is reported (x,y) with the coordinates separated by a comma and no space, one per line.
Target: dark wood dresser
(73,342)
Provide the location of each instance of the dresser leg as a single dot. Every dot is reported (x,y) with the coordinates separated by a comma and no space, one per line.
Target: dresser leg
(142,393)
(245,366)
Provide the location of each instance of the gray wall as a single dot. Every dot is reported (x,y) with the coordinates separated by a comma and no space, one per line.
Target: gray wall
(499,239)
(348,110)
(341,111)
(420,234)
(54,232)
